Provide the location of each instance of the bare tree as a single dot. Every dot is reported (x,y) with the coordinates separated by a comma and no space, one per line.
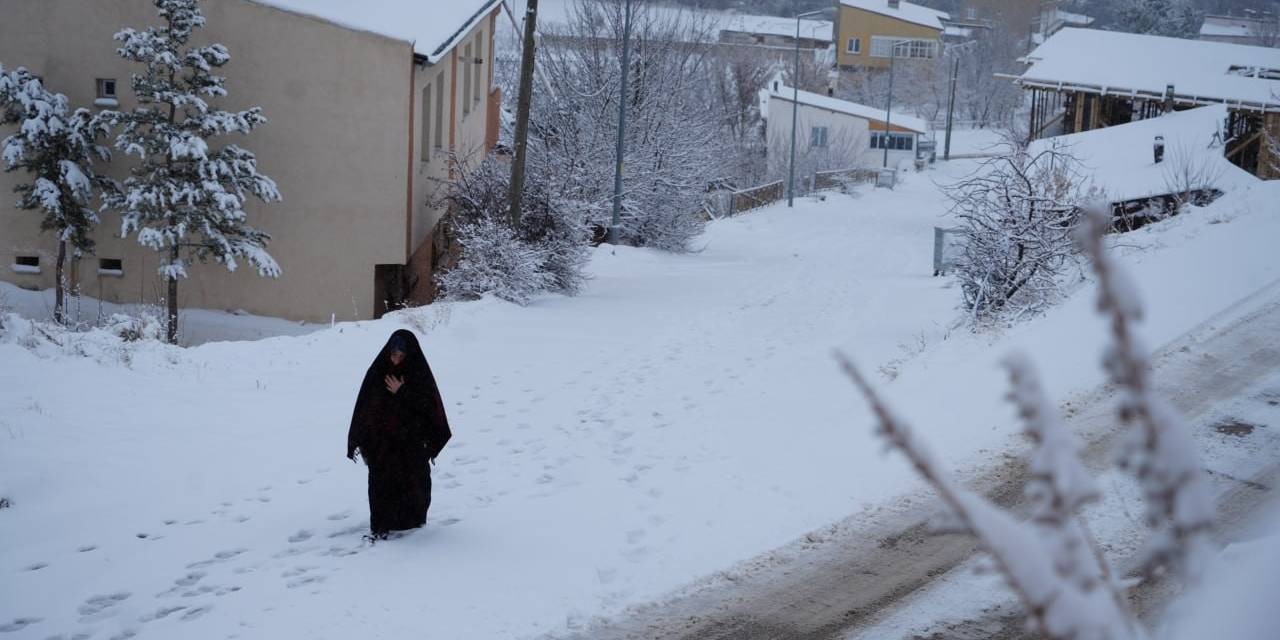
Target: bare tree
(1191,178)
(1017,211)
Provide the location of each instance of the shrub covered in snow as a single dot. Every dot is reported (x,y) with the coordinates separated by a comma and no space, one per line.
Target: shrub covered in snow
(1016,212)
(1060,575)
(115,341)
(546,250)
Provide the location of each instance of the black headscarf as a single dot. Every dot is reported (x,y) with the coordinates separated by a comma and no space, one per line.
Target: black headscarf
(412,419)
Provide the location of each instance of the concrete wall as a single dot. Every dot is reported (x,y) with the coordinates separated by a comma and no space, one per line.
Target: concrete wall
(340,104)
(857,23)
(849,141)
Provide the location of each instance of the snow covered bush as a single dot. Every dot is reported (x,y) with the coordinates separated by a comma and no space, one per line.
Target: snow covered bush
(546,250)
(1051,562)
(57,147)
(1174,18)
(185,198)
(1191,178)
(676,148)
(1016,212)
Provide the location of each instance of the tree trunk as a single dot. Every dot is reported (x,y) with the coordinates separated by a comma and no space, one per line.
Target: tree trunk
(172,329)
(60,286)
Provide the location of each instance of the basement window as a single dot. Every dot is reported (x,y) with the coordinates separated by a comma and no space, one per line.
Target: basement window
(26,264)
(106,93)
(110,267)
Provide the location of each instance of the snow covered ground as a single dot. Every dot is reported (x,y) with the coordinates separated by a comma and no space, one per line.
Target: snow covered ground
(682,414)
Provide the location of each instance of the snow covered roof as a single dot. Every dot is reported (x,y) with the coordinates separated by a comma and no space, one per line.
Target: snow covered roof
(1111,62)
(1231,26)
(432,26)
(772,25)
(820,101)
(906,11)
(1121,161)
(1073,19)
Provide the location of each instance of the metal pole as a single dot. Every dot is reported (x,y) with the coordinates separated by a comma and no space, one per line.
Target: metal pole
(622,123)
(795,113)
(951,108)
(888,109)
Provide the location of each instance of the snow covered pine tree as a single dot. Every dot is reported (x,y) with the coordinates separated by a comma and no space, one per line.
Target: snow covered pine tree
(57,147)
(184,194)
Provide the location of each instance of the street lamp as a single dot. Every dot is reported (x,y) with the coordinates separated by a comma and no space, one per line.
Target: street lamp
(795,106)
(888,108)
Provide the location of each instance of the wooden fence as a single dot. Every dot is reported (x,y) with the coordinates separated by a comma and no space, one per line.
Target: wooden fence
(736,202)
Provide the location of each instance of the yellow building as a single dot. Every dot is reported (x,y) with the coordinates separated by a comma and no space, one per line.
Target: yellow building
(867,31)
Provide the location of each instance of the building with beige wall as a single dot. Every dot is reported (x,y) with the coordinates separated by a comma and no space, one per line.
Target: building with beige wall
(365,102)
(866,31)
(834,134)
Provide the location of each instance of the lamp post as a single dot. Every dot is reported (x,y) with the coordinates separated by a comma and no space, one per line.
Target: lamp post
(795,107)
(622,125)
(888,108)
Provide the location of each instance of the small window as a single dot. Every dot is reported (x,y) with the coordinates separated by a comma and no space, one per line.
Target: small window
(466,80)
(477,64)
(818,137)
(854,46)
(110,267)
(426,123)
(894,141)
(106,87)
(26,264)
(439,85)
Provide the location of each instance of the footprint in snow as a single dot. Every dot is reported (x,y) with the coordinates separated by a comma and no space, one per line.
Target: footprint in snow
(192,614)
(221,556)
(449,522)
(300,536)
(35,567)
(161,613)
(18,624)
(347,531)
(87,548)
(101,606)
(340,516)
(168,523)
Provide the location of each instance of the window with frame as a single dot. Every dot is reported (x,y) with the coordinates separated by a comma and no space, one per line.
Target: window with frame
(466,80)
(426,123)
(110,267)
(883,47)
(106,87)
(439,137)
(893,141)
(26,264)
(818,137)
(477,67)
(853,45)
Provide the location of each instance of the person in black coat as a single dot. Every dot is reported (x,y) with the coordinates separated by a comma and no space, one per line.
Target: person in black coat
(398,427)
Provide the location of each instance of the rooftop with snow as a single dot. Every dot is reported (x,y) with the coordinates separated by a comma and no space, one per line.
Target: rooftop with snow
(1110,62)
(875,114)
(432,26)
(905,11)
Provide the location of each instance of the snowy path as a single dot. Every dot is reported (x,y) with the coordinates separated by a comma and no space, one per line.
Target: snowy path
(870,577)
(600,443)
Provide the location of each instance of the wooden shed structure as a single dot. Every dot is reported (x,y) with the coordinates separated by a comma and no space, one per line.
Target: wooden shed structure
(1084,79)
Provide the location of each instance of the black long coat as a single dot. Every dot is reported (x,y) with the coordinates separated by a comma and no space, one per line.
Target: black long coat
(398,435)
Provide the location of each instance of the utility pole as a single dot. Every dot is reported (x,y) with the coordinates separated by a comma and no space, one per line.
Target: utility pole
(522,112)
(888,108)
(951,108)
(622,124)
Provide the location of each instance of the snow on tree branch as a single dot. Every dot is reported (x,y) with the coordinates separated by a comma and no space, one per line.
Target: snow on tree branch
(1159,451)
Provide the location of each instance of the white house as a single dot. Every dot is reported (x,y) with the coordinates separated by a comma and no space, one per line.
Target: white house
(836,134)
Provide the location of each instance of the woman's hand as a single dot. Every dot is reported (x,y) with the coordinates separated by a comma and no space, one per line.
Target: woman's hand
(394,383)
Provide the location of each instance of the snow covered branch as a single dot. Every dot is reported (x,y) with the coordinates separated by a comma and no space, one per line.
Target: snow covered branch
(1159,451)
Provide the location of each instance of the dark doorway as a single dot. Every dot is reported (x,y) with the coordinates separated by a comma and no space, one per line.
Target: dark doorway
(389,290)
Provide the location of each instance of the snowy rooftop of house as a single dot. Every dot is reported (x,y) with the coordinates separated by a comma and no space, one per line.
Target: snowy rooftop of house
(1230,26)
(1121,161)
(1130,64)
(432,26)
(820,101)
(772,25)
(906,11)
(1074,19)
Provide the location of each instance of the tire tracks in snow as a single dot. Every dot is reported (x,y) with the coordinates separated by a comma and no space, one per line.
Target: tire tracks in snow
(843,577)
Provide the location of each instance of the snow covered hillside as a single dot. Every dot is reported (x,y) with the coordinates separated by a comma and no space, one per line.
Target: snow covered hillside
(681,415)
